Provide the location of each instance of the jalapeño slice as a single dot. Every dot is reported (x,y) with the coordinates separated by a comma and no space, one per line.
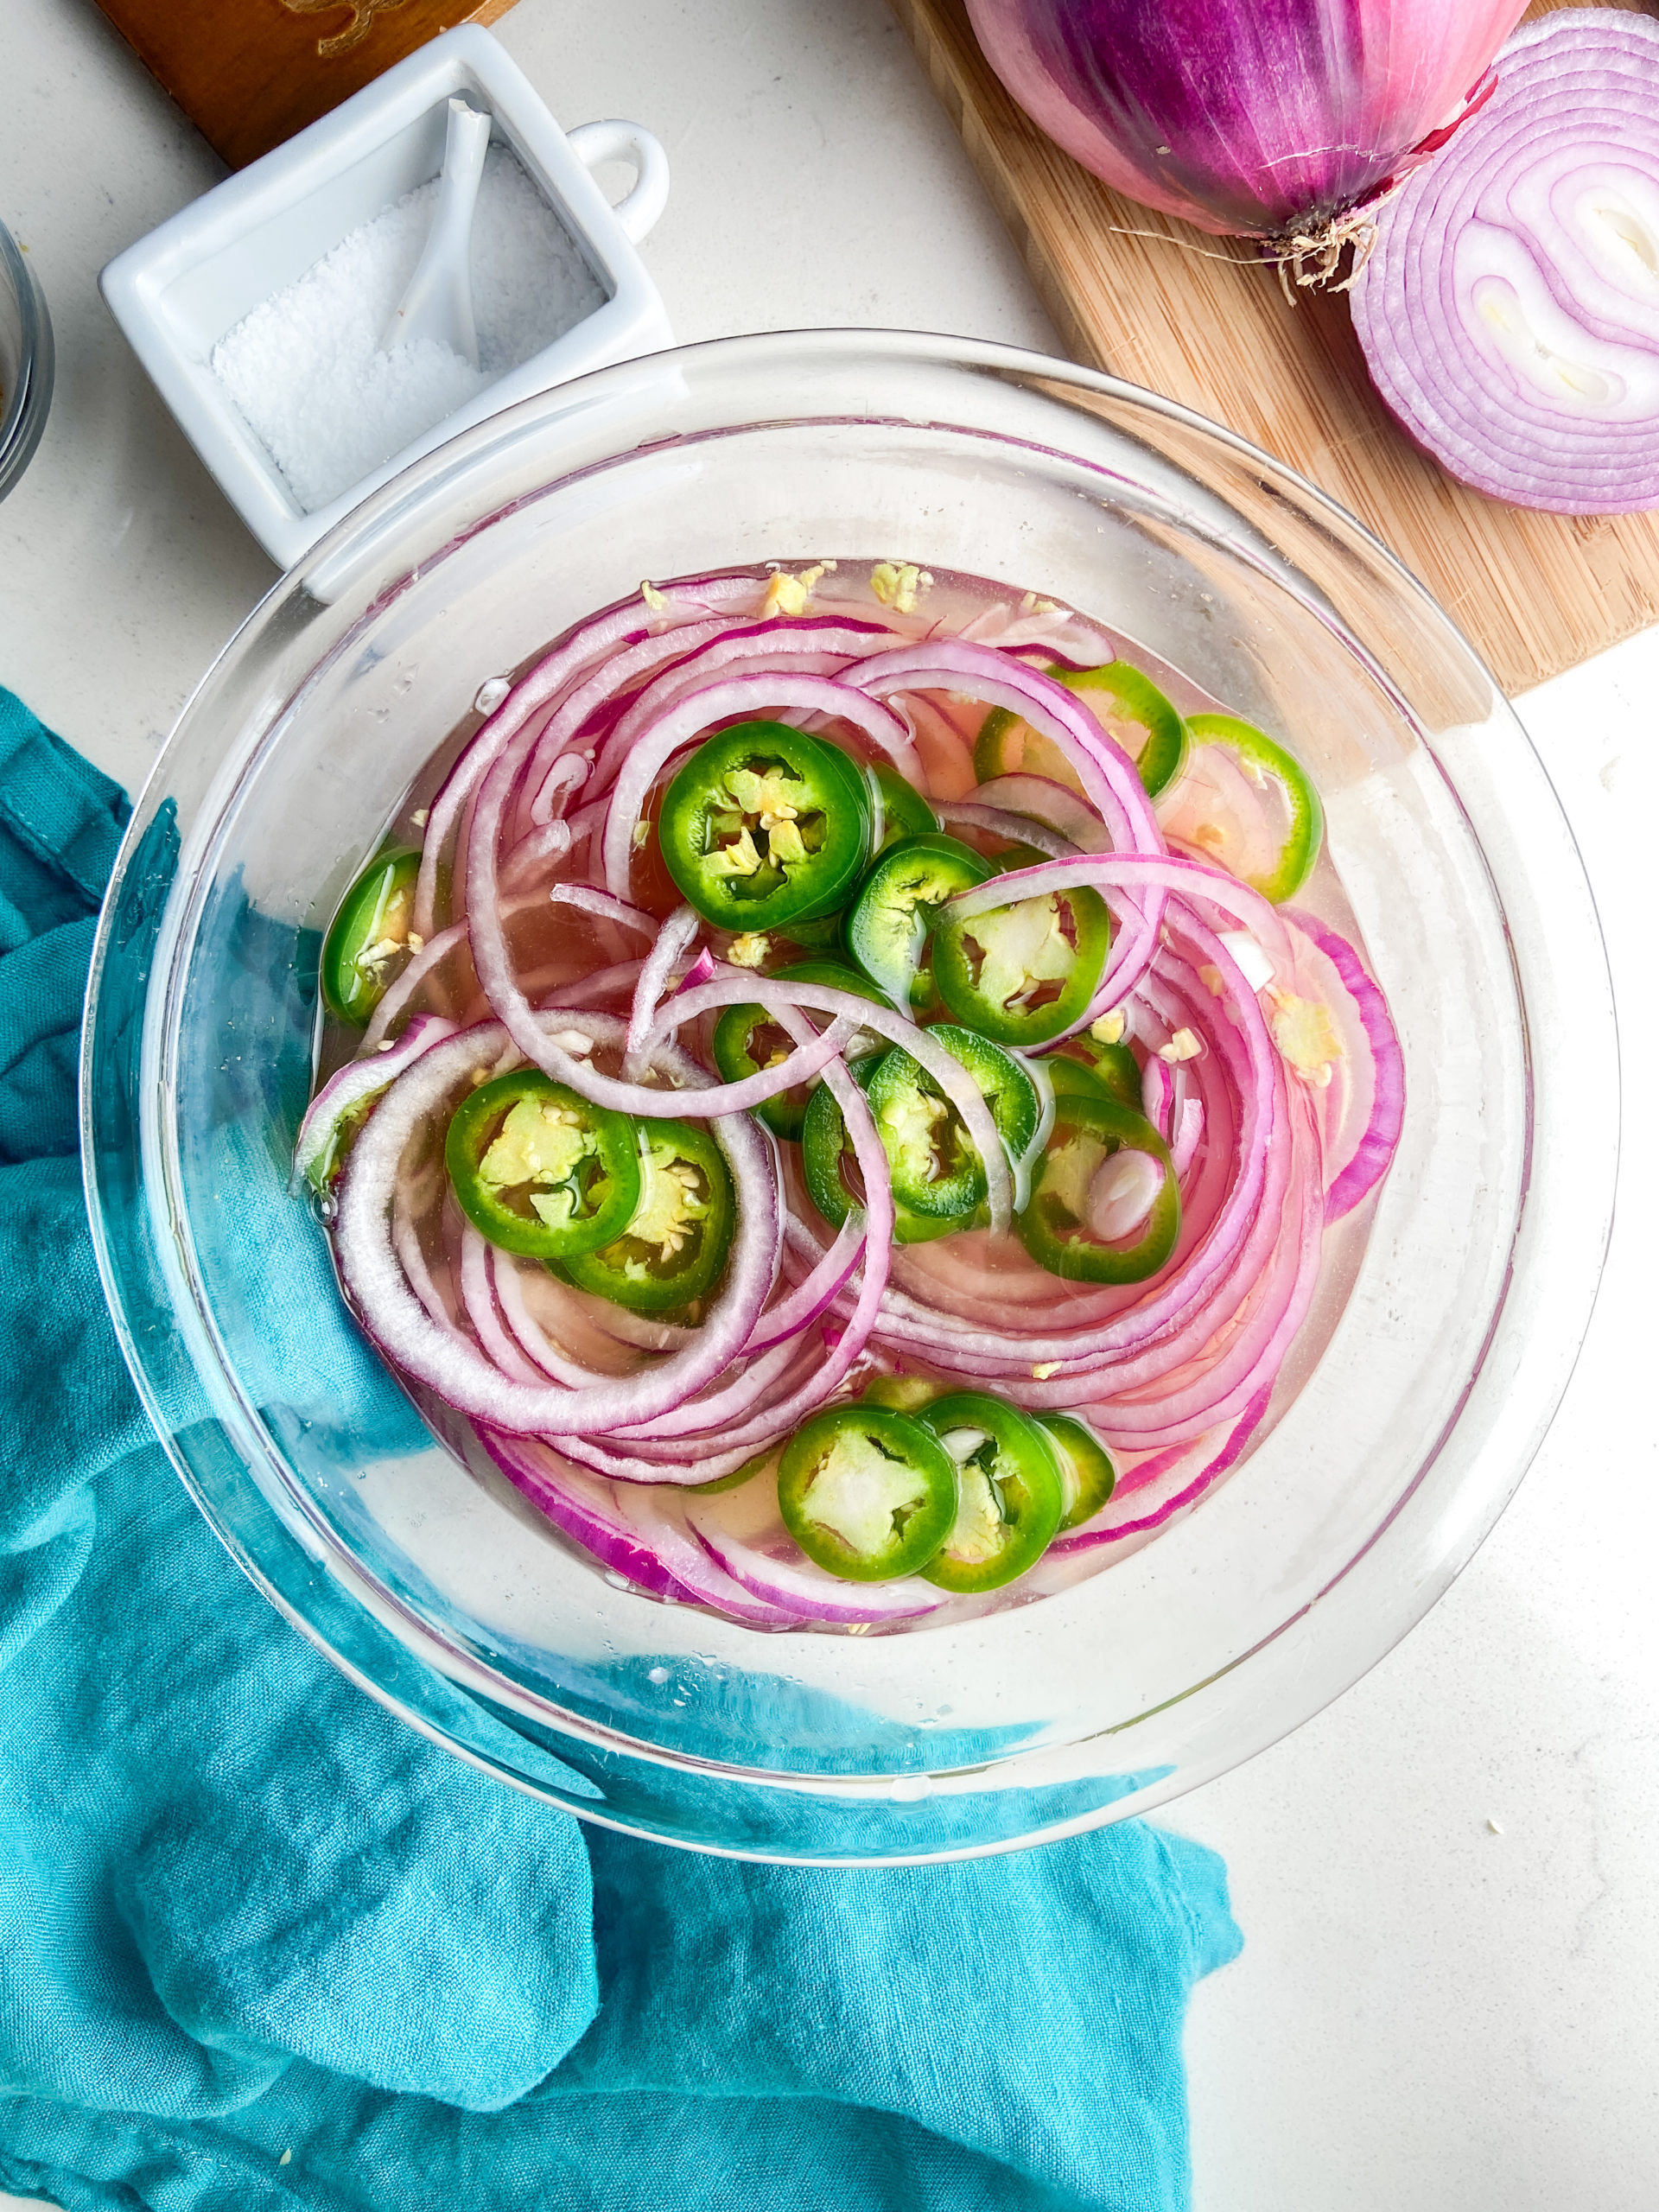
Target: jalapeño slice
(1128,707)
(1104,1205)
(866,1491)
(368,943)
(937,1169)
(900,810)
(1245,803)
(1096,1071)
(765,825)
(829,1164)
(1011,1499)
(539,1170)
(676,1239)
(746,1039)
(1025,972)
(1087,1475)
(886,931)
(906,1394)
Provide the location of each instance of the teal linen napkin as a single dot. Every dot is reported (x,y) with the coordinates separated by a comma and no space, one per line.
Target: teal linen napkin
(261,1945)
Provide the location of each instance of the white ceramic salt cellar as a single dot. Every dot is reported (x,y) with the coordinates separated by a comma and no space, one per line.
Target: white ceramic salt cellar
(177,292)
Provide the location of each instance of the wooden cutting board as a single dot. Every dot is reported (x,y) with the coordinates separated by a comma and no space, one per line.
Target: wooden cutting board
(248,73)
(1536,593)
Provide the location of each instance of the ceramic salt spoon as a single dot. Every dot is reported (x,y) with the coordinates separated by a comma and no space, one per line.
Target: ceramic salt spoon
(439,301)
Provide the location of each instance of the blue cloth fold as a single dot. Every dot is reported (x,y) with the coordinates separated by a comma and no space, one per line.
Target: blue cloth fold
(261,1944)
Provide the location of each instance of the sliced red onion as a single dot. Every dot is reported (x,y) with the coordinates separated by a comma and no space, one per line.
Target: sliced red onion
(541,850)
(747,1538)
(674,939)
(464,1378)
(1134,873)
(1510,312)
(605,906)
(478,1298)
(1110,778)
(763,1429)
(1184,1476)
(401,989)
(643,657)
(1017,828)
(1041,799)
(566,777)
(1189,1135)
(349,1088)
(702,969)
(1158,1095)
(534,694)
(785,646)
(818,1290)
(721,701)
(1362,1112)
(588,1511)
(507,1282)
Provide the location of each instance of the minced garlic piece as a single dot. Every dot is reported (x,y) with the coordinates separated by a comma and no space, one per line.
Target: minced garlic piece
(1109,1030)
(1304,1032)
(1044,1368)
(787,594)
(1183,1046)
(898,584)
(420,817)
(641,831)
(655,599)
(749,950)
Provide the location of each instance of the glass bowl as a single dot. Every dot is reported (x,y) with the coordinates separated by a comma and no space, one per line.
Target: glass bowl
(25,362)
(440,1590)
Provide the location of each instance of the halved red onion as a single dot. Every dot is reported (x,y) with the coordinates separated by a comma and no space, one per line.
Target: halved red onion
(1510,312)
(1267,120)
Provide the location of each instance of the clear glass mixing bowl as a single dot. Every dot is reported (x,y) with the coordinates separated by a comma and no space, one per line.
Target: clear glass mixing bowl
(440,1590)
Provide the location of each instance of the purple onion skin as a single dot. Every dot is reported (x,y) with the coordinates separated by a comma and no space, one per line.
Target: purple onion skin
(1260,117)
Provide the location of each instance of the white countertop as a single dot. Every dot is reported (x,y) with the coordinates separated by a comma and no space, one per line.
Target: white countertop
(1427,2013)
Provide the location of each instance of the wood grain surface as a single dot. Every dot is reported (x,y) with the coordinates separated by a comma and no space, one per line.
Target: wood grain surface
(1200,320)
(248,73)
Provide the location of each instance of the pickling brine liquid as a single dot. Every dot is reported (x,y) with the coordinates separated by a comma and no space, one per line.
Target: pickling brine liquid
(1246,1022)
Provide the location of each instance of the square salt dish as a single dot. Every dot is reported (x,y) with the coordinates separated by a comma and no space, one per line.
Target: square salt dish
(178,291)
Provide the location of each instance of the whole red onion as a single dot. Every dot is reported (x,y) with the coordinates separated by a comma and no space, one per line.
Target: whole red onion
(1272,118)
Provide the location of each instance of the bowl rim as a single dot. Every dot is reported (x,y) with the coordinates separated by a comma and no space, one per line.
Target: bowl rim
(1528,1418)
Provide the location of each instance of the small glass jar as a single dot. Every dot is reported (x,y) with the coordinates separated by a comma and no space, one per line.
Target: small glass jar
(25,362)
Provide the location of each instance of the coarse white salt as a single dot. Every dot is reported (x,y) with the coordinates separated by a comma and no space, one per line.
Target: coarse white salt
(305,369)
